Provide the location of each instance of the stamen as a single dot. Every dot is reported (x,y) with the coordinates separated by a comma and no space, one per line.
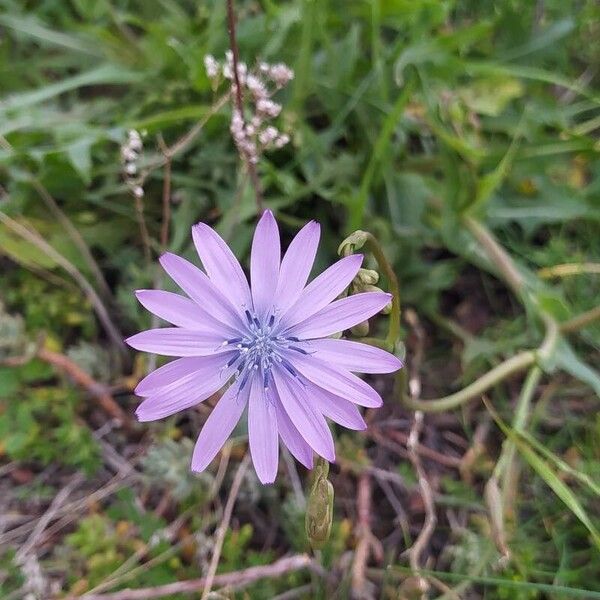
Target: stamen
(261,348)
(232,361)
(297,349)
(289,367)
(266,378)
(245,376)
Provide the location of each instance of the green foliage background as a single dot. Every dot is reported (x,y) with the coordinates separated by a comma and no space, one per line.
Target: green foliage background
(405,117)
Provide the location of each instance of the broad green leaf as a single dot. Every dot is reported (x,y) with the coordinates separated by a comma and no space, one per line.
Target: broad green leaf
(105,74)
(22,251)
(31,27)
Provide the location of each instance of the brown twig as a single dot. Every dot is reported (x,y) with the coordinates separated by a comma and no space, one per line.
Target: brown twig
(65,364)
(250,166)
(139,212)
(452,462)
(580,321)
(234,580)
(166,196)
(367,542)
(224,525)
(475,450)
(46,518)
(414,553)
(183,143)
(69,512)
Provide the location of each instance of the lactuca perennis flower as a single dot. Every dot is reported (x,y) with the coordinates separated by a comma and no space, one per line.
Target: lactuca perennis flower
(269,341)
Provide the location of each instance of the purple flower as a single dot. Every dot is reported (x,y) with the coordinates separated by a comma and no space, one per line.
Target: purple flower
(270,341)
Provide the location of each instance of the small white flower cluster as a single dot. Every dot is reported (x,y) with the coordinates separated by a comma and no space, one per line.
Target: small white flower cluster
(130,153)
(252,133)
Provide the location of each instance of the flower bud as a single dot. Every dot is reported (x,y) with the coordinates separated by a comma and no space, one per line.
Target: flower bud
(387,309)
(363,278)
(366,277)
(353,242)
(319,508)
(361,330)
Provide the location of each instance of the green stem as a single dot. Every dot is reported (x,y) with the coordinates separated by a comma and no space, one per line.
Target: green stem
(509,367)
(355,242)
(497,254)
(505,265)
(384,265)
(504,465)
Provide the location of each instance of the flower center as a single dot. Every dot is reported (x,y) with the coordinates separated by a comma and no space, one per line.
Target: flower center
(260,348)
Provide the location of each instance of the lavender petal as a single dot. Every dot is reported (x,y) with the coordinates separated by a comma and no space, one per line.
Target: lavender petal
(178,369)
(337,381)
(296,265)
(323,289)
(310,423)
(262,433)
(337,409)
(177,310)
(196,284)
(184,393)
(219,425)
(353,356)
(264,262)
(291,437)
(222,266)
(175,341)
(340,315)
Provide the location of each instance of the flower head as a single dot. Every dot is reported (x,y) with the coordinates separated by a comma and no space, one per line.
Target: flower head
(269,341)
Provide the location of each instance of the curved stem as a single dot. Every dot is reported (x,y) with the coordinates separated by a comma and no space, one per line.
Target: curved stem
(515,364)
(509,367)
(384,265)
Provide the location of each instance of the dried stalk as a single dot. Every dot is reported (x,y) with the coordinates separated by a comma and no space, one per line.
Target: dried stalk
(367,542)
(224,525)
(166,200)
(99,391)
(235,580)
(46,518)
(139,212)
(414,553)
(250,166)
